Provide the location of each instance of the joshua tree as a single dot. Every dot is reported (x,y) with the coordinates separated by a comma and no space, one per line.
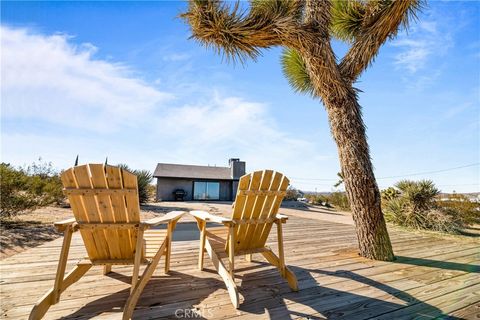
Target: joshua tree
(304,29)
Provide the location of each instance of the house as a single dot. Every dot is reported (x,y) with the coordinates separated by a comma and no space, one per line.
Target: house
(198,182)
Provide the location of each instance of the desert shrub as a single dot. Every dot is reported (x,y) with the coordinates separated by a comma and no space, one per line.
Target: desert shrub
(13,195)
(23,189)
(419,194)
(339,200)
(415,206)
(465,209)
(152,191)
(144,177)
(335,199)
(44,183)
(320,200)
(292,194)
(390,194)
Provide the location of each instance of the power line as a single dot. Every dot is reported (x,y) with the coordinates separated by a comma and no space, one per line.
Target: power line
(430,172)
(399,176)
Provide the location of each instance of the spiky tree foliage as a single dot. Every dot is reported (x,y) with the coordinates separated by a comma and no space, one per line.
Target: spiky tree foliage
(340,180)
(144,177)
(304,29)
(414,206)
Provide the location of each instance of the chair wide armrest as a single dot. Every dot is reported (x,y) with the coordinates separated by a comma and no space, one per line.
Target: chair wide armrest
(169,217)
(206,216)
(283,218)
(64,224)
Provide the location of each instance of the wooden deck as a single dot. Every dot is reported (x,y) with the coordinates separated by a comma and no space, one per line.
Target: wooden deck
(433,276)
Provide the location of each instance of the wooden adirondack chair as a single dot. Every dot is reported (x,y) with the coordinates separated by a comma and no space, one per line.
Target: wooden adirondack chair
(104,200)
(255,210)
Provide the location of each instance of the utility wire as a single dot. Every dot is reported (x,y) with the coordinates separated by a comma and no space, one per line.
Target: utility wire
(400,176)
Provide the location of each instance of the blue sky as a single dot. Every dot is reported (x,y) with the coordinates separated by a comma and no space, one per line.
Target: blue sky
(122,79)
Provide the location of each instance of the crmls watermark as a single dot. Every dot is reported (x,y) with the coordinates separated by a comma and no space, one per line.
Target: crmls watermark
(193,313)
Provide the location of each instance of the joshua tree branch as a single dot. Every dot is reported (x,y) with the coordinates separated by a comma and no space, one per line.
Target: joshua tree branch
(368,43)
(319,56)
(239,35)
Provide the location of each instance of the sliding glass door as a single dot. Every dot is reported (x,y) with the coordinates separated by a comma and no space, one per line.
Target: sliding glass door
(203,190)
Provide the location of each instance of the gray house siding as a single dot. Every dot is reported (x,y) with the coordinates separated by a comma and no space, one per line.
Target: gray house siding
(180,176)
(225,190)
(166,186)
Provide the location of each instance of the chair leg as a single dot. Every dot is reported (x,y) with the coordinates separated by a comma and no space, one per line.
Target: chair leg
(201,253)
(107,269)
(287,273)
(137,259)
(42,306)
(168,248)
(281,256)
(140,285)
(231,251)
(222,271)
(62,263)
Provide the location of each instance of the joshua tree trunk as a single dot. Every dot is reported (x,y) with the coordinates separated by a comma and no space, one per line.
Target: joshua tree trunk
(348,130)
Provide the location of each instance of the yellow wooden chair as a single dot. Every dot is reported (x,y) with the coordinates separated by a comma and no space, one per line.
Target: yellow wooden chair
(255,210)
(104,200)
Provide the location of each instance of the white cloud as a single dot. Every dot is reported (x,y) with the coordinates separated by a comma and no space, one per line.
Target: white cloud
(176,57)
(417,47)
(96,108)
(48,78)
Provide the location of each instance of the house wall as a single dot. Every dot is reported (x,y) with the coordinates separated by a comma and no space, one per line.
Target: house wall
(165,187)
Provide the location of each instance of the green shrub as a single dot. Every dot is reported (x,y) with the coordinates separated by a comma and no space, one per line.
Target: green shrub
(419,194)
(466,210)
(339,200)
(335,199)
(23,189)
(144,177)
(320,200)
(152,191)
(390,194)
(415,206)
(292,194)
(13,190)
(44,183)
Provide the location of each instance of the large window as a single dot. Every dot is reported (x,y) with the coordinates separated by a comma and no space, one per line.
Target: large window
(206,190)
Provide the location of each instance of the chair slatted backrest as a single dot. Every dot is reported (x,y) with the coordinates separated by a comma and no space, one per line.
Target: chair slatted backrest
(104,194)
(258,199)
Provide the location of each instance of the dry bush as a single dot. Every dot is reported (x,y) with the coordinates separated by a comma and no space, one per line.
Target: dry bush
(415,206)
(24,189)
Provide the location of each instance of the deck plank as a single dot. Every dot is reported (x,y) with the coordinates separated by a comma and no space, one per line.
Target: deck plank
(433,276)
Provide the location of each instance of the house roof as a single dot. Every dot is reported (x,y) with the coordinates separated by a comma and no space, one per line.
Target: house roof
(168,170)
